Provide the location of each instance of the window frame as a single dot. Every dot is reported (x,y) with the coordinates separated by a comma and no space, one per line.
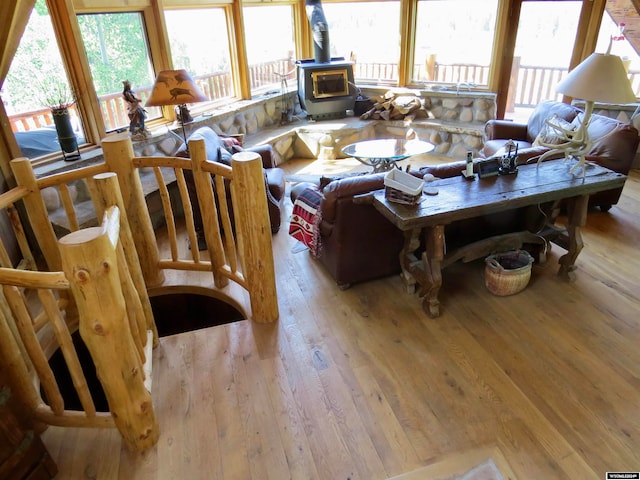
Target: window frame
(63,16)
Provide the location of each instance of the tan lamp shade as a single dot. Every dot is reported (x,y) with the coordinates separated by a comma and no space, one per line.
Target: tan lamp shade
(599,78)
(174,87)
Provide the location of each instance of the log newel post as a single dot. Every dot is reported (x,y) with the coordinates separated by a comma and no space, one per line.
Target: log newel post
(37,213)
(118,155)
(251,213)
(209,211)
(109,194)
(89,260)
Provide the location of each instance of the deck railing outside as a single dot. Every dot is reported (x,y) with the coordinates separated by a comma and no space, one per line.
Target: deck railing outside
(530,84)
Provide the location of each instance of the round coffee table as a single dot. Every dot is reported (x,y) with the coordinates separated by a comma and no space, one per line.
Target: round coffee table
(382,155)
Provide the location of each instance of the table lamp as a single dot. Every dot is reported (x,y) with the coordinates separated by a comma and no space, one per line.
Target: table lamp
(602,77)
(176,87)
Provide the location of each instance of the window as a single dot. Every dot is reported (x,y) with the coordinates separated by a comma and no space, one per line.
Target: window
(612,34)
(270,45)
(117,50)
(202,49)
(36,82)
(367,33)
(454,41)
(544,46)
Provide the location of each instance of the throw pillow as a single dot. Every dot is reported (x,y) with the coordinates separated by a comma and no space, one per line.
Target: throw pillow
(551,132)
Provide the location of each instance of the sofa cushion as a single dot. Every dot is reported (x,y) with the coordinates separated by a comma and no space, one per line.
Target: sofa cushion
(216,149)
(546,110)
(551,132)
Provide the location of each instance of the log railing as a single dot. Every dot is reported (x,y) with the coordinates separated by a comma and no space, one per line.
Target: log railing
(96,279)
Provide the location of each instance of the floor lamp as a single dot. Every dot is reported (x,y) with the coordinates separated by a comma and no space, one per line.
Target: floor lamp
(176,87)
(601,78)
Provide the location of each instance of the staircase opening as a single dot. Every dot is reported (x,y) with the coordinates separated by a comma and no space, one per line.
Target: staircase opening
(185,312)
(174,313)
(63,378)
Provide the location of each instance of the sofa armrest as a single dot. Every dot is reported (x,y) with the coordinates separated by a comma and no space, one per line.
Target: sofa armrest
(266,153)
(495,129)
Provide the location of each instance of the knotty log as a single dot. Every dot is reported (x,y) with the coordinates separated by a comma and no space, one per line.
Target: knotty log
(209,211)
(118,154)
(252,222)
(108,193)
(90,263)
(37,212)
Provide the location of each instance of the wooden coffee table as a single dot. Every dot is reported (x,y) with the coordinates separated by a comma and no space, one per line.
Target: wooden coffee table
(459,199)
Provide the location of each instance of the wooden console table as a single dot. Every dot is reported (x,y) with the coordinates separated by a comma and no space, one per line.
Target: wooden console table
(459,199)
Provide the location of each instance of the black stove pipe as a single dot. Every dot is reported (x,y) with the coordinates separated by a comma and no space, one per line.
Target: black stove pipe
(320,30)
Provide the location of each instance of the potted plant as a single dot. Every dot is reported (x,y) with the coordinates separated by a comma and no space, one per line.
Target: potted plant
(59,97)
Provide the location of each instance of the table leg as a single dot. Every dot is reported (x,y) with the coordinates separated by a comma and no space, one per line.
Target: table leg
(432,265)
(408,259)
(576,219)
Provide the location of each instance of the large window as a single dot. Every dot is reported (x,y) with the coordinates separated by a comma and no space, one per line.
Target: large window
(36,82)
(454,41)
(544,46)
(270,45)
(117,49)
(202,48)
(369,34)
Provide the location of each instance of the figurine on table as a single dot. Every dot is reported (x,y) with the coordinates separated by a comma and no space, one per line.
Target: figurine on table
(136,113)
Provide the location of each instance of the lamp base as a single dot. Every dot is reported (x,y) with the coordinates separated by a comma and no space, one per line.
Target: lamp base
(183,115)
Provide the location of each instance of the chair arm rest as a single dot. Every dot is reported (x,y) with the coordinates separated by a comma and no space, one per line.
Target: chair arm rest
(266,152)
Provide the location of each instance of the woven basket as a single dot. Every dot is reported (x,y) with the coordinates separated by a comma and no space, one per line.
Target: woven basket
(507,273)
(401,187)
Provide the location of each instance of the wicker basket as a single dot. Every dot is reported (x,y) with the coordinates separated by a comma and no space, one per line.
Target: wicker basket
(507,273)
(401,187)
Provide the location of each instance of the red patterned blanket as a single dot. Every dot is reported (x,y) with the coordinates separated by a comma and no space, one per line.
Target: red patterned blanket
(305,219)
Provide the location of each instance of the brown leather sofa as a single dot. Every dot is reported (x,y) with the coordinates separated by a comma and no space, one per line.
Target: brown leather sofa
(219,150)
(358,244)
(614,143)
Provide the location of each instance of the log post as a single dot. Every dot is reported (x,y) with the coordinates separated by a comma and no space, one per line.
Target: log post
(108,193)
(251,214)
(208,211)
(118,154)
(89,262)
(37,213)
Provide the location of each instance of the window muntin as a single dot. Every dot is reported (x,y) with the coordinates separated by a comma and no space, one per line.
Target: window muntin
(270,45)
(369,34)
(202,49)
(454,41)
(117,50)
(35,82)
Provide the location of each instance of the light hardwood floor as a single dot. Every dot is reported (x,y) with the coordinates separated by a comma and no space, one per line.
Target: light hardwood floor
(361,384)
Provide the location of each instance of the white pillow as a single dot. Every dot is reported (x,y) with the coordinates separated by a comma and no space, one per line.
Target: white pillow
(551,136)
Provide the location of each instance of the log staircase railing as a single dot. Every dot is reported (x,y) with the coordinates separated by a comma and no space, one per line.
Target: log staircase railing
(96,280)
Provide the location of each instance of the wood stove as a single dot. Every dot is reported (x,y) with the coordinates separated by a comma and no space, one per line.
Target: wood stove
(324,83)
(325,88)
